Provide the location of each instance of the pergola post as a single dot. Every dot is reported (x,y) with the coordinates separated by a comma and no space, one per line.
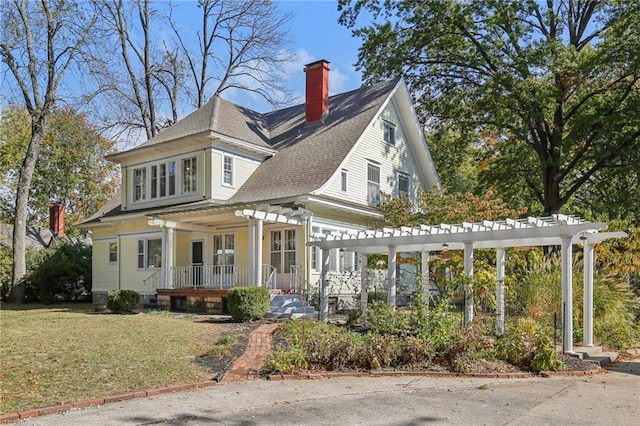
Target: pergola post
(500,291)
(324,289)
(252,252)
(363,284)
(468,286)
(424,270)
(587,314)
(391,277)
(258,252)
(567,296)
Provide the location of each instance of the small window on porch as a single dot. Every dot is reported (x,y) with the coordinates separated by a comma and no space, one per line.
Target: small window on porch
(149,254)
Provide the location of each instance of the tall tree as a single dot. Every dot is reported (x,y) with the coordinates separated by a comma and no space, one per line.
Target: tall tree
(71,168)
(551,86)
(39,43)
(237,44)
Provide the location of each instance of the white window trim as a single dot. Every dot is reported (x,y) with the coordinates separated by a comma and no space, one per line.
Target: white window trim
(344,181)
(112,262)
(379,183)
(233,168)
(145,253)
(387,124)
(179,178)
(224,249)
(403,174)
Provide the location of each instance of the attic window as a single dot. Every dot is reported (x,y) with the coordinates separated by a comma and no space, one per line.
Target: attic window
(389,132)
(404,183)
(343,181)
(227,170)
(373,184)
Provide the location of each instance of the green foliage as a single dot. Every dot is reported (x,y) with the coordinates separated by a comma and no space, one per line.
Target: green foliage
(383,319)
(123,301)
(463,347)
(528,344)
(6,265)
(71,167)
(223,345)
(552,115)
(287,360)
(376,351)
(62,273)
(376,296)
(413,351)
(248,303)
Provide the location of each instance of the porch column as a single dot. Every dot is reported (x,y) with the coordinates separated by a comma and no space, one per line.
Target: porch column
(587,314)
(468,286)
(567,297)
(391,277)
(169,259)
(424,270)
(258,253)
(362,259)
(499,292)
(324,289)
(252,254)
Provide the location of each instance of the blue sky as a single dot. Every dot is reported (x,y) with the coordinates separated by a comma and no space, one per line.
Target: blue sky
(315,34)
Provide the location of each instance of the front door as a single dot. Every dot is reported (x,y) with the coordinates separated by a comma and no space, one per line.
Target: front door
(283,255)
(197,249)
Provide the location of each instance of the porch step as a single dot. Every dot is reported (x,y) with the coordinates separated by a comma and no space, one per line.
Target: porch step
(595,354)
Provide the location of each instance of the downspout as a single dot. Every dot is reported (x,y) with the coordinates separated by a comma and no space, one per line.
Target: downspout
(118,241)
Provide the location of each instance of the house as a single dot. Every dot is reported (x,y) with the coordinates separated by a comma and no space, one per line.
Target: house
(228,196)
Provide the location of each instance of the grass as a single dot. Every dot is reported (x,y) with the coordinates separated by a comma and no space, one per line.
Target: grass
(66,353)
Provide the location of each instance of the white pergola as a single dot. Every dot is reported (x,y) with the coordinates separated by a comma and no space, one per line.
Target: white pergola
(561,230)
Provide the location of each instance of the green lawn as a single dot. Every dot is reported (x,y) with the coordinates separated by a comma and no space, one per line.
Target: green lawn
(66,353)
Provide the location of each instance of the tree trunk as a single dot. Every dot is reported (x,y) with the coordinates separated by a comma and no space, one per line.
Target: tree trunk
(21,212)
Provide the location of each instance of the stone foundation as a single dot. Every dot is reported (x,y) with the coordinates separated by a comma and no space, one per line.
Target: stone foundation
(194,300)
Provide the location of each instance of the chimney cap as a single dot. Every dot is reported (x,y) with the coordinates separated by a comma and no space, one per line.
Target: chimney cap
(316,63)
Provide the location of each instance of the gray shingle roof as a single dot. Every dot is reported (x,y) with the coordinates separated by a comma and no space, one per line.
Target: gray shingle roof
(307,154)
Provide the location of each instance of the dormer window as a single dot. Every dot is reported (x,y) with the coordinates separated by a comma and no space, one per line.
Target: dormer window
(139,184)
(343,180)
(189,175)
(163,179)
(389,132)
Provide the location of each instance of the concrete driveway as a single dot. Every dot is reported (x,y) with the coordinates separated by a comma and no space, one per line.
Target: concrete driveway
(606,399)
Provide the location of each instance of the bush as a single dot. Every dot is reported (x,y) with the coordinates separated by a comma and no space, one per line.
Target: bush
(382,319)
(248,303)
(286,360)
(123,301)
(377,351)
(529,345)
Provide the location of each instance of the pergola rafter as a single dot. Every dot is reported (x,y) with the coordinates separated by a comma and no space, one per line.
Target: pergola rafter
(556,230)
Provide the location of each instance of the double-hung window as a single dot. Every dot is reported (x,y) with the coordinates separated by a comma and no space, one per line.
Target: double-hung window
(227,170)
(154,181)
(404,184)
(189,175)
(113,252)
(139,184)
(389,132)
(223,250)
(373,184)
(149,253)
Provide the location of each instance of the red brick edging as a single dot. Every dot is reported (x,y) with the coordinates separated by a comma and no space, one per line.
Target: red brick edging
(12,417)
(444,374)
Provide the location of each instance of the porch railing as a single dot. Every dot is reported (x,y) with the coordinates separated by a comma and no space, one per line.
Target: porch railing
(219,277)
(152,282)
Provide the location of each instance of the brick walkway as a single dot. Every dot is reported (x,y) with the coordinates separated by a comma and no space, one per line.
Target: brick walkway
(248,366)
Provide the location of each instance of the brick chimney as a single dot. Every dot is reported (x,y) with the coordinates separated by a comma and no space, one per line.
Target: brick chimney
(56,219)
(317,91)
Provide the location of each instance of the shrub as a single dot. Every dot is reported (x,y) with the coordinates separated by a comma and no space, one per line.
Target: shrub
(414,351)
(376,351)
(528,344)
(376,296)
(464,347)
(123,301)
(286,360)
(248,303)
(545,357)
(382,319)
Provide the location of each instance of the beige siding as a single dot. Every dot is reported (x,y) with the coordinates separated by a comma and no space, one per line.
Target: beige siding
(132,277)
(243,167)
(390,159)
(202,187)
(105,274)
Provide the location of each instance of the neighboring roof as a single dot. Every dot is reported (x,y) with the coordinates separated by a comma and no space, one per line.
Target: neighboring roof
(306,155)
(37,238)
